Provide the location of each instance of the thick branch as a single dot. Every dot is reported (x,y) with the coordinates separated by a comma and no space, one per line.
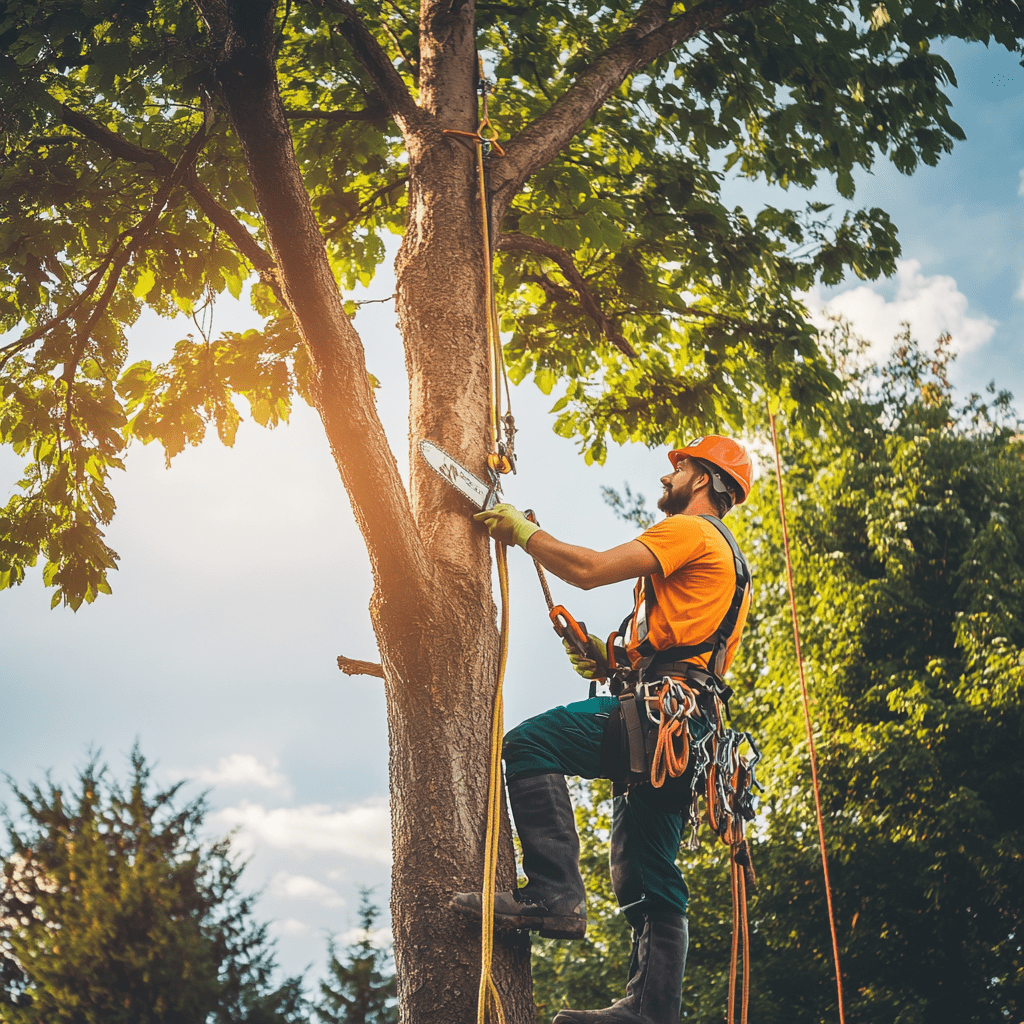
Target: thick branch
(340,387)
(376,113)
(354,667)
(515,242)
(650,36)
(377,64)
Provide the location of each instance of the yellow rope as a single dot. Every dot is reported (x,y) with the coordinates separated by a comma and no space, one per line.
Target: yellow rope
(495,361)
(487,986)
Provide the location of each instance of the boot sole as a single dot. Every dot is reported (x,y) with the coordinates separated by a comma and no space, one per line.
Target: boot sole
(555,926)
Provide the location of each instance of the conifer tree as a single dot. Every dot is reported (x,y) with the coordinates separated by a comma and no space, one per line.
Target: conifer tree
(115,910)
(362,989)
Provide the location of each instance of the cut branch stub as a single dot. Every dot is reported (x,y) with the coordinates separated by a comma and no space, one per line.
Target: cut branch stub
(355,667)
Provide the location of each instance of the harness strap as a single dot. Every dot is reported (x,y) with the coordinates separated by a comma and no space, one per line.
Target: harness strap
(717,644)
(634,733)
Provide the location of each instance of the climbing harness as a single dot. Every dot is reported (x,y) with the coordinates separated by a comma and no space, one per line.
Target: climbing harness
(807,719)
(670,722)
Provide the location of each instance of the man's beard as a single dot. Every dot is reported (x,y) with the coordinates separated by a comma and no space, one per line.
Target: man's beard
(672,502)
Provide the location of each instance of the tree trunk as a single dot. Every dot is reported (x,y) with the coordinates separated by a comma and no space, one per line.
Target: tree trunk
(441,691)
(431,608)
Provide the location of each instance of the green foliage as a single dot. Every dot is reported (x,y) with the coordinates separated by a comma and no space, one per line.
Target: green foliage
(699,302)
(113,909)
(362,989)
(906,518)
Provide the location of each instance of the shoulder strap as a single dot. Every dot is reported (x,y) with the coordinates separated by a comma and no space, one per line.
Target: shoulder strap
(716,663)
(718,642)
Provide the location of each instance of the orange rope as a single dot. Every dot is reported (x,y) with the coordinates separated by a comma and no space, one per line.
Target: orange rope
(667,761)
(734,880)
(807,721)
(741,880)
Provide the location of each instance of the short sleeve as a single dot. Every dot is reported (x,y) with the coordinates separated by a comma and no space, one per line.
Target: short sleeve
(674,542)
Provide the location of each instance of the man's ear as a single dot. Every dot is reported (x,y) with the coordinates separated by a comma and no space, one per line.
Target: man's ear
(704,480)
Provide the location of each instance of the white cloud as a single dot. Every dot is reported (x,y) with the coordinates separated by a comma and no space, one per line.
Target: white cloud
(292,926)
(931,305)
(361,831)
(1020,190)
(301,887)
(380,938)
(243,770)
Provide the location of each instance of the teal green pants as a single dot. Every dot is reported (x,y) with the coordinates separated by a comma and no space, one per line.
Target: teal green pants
(647,824)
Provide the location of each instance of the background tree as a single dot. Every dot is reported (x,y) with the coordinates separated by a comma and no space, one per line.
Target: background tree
(362,989)
(159,154)
(114,909)
(905,513)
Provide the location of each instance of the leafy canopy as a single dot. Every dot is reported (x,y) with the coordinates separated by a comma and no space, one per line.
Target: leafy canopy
(659,309)
(905,513)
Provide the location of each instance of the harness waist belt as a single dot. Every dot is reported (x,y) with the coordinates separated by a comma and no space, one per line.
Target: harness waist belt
(695,674)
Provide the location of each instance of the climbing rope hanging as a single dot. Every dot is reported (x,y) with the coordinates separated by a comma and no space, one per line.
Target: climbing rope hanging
(500,459)
(807,719)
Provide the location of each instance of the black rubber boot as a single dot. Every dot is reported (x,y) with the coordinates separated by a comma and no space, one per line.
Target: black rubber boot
(554,901)
(654,990)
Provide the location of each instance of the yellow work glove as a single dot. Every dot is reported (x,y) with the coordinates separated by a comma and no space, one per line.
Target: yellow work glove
(507,524)
(588,667)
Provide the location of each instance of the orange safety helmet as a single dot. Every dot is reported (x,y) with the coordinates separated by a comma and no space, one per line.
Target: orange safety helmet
(714,452)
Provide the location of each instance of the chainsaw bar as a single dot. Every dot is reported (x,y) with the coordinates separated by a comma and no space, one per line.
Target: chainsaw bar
(467,484)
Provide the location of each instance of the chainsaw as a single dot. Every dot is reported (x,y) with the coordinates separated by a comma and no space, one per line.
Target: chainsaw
(484,497)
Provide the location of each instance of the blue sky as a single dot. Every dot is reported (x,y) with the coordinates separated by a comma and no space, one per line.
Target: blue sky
(242,573)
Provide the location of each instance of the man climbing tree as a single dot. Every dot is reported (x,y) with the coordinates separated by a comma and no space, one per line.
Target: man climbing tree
(159,154)
(691,602)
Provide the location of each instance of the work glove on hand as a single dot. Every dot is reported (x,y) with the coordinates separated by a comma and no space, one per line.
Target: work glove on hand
(588,667)
(507,524)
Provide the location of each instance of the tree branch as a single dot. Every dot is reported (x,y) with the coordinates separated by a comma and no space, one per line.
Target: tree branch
(218,214)
(115,144)
(377,113)
(377,64)
(650,36)
(138,235)
(246,73)
(516,242)
(353,667)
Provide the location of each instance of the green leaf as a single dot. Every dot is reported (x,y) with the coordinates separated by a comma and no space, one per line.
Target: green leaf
(144,284)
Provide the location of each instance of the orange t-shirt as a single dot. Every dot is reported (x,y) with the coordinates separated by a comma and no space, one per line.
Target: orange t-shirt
(693,592)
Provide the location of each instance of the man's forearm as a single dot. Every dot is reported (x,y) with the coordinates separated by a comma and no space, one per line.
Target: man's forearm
(586,568)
